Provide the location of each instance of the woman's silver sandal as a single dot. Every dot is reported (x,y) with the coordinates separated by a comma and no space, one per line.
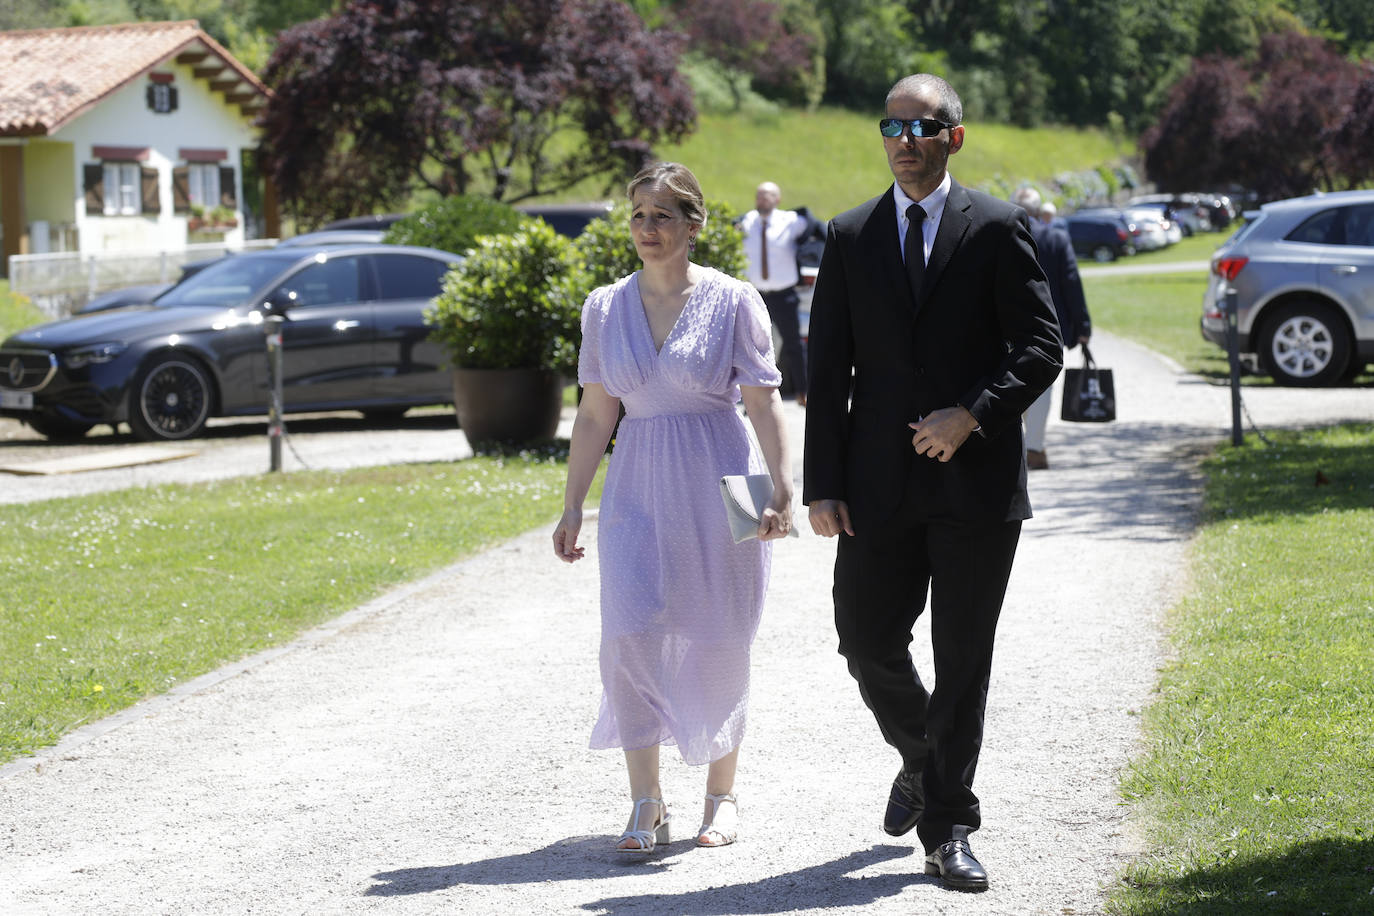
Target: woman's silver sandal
(647,839)
(717,830)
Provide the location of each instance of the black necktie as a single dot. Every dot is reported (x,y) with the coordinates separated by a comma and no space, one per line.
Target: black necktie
(915,249)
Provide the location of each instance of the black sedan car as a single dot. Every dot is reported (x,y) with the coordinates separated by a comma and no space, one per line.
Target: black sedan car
(354,338)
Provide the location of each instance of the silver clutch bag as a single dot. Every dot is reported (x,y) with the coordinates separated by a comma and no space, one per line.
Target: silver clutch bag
(745,497)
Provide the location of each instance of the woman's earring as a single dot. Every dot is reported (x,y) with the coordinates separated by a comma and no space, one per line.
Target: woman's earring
(692,243)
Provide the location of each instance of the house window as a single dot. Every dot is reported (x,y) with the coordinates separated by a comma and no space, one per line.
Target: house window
(203,179)
(162,98)
(122,187)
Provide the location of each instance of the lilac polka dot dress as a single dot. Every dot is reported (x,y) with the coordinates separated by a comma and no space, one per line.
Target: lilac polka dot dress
(680,601)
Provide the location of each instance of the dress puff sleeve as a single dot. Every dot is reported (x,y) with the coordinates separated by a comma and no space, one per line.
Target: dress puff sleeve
(594,313)
(753,363)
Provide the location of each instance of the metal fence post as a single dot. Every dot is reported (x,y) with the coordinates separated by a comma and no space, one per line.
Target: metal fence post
(272,328)
(1233,358)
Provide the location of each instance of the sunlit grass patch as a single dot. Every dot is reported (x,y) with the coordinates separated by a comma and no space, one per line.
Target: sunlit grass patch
(1258,787)
(112,598)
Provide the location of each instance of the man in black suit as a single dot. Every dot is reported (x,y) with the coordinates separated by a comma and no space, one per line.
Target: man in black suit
(931,333)
(1054,251)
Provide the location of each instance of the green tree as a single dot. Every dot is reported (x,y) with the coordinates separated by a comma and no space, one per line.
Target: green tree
(512,99)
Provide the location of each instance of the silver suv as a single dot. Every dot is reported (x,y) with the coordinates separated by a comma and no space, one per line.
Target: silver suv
(1303,273)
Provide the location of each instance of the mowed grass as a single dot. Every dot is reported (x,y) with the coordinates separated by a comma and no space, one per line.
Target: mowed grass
(832,159)
(16,311)
(1159,310)
(114,597)
(1257,785)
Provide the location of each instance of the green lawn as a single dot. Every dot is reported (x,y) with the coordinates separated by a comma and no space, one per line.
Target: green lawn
(831,159)
(1160,311)
(1257,784)
(117,596)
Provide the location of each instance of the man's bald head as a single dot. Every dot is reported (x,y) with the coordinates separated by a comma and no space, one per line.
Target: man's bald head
(766,197)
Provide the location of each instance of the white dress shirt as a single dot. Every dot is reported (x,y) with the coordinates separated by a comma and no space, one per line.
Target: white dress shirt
(784,228)
(934,205)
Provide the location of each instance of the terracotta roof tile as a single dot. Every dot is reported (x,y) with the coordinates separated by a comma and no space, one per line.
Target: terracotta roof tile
(49,76)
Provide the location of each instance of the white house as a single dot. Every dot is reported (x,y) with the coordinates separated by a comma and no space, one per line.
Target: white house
(127,137)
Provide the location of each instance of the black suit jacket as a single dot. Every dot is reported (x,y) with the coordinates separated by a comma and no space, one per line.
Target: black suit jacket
(983,335)
(1054,251)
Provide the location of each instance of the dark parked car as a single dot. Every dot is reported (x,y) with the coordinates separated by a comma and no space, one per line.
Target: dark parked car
(354,339)
(144,294)
(1303,275)
(567,219)
(379,222)
(1100,237)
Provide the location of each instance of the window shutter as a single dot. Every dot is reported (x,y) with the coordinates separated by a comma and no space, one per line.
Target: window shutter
(181,189)
(93,181)
(227,197)
(172,98)
(152,199)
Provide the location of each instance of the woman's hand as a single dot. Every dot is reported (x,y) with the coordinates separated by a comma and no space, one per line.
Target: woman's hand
(565,537)
(777,517)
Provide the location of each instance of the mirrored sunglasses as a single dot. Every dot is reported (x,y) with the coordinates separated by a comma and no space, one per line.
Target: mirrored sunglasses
(919,127)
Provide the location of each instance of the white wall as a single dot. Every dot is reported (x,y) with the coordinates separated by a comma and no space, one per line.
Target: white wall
(202,120)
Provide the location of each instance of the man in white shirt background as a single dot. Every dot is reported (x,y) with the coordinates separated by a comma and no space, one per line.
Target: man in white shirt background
(770,244)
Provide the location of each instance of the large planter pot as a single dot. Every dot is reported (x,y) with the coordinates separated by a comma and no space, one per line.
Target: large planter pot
(508,405)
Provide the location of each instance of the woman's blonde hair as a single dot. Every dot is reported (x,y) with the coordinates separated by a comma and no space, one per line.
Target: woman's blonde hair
(680,182)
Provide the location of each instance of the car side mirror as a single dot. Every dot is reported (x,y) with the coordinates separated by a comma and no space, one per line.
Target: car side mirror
(279,301)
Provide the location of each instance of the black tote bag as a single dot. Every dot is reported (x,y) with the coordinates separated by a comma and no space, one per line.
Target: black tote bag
(1089,395)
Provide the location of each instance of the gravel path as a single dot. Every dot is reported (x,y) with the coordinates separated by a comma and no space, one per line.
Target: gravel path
(427,752)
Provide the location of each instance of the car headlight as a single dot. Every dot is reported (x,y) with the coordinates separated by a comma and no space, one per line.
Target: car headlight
(95,353)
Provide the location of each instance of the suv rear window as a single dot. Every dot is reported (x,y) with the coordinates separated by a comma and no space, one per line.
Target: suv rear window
(1318,229)
(1338,226)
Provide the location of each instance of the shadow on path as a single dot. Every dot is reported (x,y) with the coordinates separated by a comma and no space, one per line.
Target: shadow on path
(590,858)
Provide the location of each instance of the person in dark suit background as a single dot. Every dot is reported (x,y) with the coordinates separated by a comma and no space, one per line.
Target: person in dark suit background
(1054,251)
(932,331)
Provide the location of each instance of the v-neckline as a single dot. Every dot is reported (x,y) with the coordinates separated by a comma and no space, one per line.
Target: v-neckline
(648,326)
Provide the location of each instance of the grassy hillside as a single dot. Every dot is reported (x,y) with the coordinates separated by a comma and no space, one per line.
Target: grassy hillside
(831,159)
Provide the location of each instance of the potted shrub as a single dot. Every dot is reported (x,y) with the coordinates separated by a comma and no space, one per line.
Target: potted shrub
(511,339)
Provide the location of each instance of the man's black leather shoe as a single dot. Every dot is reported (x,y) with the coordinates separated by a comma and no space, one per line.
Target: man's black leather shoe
(956,866)
(905,803)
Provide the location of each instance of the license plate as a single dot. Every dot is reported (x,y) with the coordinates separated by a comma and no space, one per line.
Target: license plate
(16,400)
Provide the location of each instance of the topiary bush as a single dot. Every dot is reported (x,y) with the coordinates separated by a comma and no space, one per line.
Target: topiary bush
(497,310)
(455,223)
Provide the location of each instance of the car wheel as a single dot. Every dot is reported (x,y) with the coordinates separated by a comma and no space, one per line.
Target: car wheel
(1305,344)
(170,399)
(58,428)
(1103,253)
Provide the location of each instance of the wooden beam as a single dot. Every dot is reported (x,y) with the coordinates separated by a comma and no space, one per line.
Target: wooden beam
(271,212)
(224,86)
(208,72)
(191,58)
(12,216)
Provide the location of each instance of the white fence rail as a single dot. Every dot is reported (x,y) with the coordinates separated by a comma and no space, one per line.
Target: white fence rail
(61,282)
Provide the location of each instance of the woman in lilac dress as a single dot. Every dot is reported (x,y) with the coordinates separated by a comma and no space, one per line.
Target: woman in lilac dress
(678,345)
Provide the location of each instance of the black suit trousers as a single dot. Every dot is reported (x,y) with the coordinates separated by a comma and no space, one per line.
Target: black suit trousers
(782,309)
(882,577)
